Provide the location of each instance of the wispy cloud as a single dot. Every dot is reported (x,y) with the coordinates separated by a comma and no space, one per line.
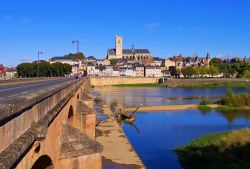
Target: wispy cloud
(152,26)
(24,21)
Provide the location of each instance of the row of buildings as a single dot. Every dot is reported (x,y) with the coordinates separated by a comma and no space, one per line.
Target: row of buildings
(129,62)
(6,72)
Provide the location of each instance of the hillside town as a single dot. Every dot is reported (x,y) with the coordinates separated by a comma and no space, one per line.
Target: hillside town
(140,63)
(134,62)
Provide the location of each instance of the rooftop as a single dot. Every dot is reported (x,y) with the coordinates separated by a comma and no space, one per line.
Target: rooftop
(62,58)
(130,51)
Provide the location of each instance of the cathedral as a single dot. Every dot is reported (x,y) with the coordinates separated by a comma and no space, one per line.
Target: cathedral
(127,54)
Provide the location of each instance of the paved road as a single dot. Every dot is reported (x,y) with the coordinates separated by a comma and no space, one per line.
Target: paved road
(7,92)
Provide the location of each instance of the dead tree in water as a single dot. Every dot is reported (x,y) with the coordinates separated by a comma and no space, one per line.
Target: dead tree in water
(121,114)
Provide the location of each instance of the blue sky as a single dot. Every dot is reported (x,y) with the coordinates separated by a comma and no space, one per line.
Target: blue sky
(166,27)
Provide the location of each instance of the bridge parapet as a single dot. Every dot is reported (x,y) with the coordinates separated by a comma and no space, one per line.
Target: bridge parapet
(17,115)
(31,126)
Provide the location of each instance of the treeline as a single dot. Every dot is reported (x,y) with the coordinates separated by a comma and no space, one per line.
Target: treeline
(194,71)
(79,56)
(240,69)
(200,71)
(236,100)
(43,69)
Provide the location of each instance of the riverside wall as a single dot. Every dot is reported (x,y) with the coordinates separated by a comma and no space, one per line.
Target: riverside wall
(110,81)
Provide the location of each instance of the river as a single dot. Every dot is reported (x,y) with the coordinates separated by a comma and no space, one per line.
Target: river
(154,135)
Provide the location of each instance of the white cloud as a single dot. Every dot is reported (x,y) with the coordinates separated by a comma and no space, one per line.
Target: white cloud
(152,26)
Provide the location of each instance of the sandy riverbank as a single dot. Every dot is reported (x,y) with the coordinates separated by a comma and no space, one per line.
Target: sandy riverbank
(117,151)
(167,108)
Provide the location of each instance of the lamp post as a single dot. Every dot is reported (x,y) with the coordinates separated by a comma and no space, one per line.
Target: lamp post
(77,44)
(38,66)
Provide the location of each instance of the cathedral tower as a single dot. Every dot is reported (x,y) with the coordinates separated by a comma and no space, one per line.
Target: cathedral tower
(118,47)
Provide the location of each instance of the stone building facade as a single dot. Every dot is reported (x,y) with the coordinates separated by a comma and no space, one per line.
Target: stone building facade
(128,54)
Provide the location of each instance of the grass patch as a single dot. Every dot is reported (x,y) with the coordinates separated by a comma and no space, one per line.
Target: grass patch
(139,85)
(236,100)
(225,109)
(204,108)
(227,150)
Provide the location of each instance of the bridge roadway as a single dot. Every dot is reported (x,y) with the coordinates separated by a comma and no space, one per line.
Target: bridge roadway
(9,91)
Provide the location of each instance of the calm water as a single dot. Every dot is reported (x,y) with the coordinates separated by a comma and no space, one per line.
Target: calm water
(154,135)
(130,96)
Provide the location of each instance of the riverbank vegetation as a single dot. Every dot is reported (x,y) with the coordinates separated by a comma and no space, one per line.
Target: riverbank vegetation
(204,108)
(228,150)
(229,103)
(235,100)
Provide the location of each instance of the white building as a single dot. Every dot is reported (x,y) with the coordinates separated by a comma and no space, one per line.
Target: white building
(108,71)
(151,71)
(64,60)
(139,70)
(104,62)
(91,70)
(116,73)
(127,72)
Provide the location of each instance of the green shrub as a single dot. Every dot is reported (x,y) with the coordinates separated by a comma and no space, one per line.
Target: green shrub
(227,150)
(239,100)
(204,108)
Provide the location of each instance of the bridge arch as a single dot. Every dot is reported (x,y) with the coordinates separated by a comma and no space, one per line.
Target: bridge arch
(71,115)
(44,162)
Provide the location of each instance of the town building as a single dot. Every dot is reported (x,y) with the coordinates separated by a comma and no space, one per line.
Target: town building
(10,72)
(64,60)
(103,62)
(168,63)
(108,71)
(152,71)
(130,54)
(157,62)
(90,59)
(127,72)
(2,71)
(139,70)
(91,70)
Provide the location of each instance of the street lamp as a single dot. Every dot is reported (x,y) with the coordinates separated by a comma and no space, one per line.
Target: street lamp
(38,54)
(77,44)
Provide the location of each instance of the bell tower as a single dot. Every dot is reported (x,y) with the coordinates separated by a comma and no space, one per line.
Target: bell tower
(118,47)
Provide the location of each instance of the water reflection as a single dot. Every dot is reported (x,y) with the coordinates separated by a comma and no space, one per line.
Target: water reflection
(154,135)
(160,133)
(130,96)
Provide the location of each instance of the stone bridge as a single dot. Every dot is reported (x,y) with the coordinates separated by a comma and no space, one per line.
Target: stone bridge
(52,129)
